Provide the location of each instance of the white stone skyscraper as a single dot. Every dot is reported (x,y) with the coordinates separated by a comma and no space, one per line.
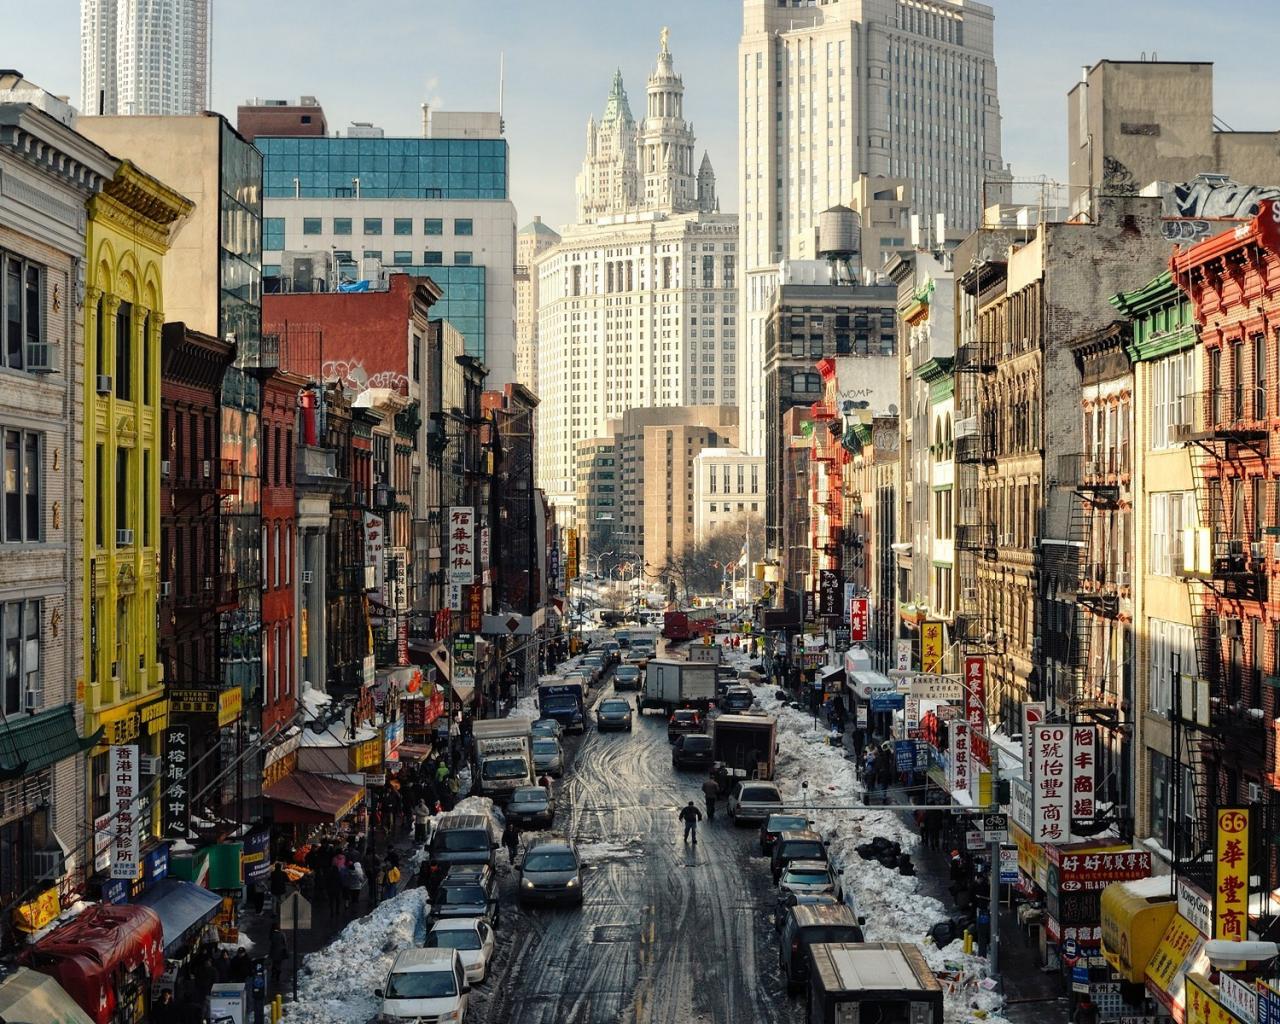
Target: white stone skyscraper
(144,56)
(826,93)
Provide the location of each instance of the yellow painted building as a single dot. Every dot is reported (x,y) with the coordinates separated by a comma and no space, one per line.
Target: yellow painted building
(129,230)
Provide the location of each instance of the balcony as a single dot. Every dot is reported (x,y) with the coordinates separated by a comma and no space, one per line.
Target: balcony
(975,448)
(264,355)
(973,356)
(1224,414)
(976,537)
(1096,475)
(973,628)
(318,470)
(1242,729)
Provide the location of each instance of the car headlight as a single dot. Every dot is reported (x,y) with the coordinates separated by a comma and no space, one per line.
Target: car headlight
(449,1015)
(571,884)
(526,883)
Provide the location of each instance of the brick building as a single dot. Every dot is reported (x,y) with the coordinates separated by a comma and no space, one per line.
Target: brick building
(280,117)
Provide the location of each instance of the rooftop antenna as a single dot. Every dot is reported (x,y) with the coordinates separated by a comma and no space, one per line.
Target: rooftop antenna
(502,73)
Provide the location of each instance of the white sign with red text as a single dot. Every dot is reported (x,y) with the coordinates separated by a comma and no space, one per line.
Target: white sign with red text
(1050,755)
(959,754)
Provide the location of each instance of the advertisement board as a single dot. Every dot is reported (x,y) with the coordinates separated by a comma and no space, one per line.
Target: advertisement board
(858,620)
(931,647)
(975,704)
(958,755)
(175,795)
(1231,894)
(1084,749)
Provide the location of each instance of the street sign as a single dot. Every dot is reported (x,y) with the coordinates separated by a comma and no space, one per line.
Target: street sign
(295,911)
(996,827)
(975,840)
(934,687)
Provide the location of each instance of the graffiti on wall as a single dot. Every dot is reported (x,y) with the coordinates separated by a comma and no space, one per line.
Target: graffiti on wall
(1183,229)
(1216,197)
(351,374)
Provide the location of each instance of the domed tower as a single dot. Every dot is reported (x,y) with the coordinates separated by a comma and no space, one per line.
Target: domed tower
(665,143)
(607,183)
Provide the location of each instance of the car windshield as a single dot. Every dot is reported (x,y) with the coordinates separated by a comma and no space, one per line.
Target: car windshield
(760,795)
(620,706)
(421,985)
(453,938)
(807,850)
(463,894)
(808,876)
(697,743)
(781,822)
(459,840)
(550,860)
(832,933)
(505,768)
(529,796)
(627,672)
(546,746)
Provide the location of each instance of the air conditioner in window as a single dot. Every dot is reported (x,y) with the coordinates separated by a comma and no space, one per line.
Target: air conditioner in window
(208,583)
(104,384)
(306,575)
(1122,577)
(969,594)
(207,465)
(30,700)
(164,468)
(1257,550)
(1180,432)
(165,588)
(124,538)
(149,764)
(1255,793)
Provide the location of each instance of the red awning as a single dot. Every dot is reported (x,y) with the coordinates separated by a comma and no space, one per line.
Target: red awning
(91,955)
(304,798)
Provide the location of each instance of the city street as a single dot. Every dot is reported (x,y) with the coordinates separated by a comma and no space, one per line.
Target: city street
(668,932)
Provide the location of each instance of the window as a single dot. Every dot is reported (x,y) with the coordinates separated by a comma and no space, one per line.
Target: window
(462,226)
(373,225)
(462,258)
(433,226)
(1173,653)
(1173,806)
(146,489)
(272,233)
(342,225)
(21,630)
(122,493)
(145,337)
(124,351)
(402,257)
(23,483)
(1171,512)
(433,258)
(100,508)
(1173,382)
(372,254)
(311,225)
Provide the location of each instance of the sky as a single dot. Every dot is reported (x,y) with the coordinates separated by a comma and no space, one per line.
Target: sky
(560,56)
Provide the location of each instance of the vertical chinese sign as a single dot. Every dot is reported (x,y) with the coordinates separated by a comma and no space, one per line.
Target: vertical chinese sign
(858,620)
(959,754)
(375,540)
(1231,893)
(176,797)
(1084,760)
(570,554)
(1050,751)
(975,705)
(462,544)
(123,780)
(931,647)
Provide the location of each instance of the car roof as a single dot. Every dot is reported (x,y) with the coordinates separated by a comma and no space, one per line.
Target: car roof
(806,834)
(552,843)
(455,924)
(462,821)
(794,817)
(744,783)
(808,865)
(419,958)
(816,914)
(466,872)
(686,711)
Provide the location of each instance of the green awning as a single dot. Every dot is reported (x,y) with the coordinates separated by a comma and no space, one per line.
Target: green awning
(29,743)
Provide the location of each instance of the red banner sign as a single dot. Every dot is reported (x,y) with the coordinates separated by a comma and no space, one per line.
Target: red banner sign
(975,705)
(858,620)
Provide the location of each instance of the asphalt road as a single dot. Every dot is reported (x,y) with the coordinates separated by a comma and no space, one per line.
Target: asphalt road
(668,933)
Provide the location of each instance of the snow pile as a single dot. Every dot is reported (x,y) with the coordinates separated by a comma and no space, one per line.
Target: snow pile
(894,908)
(337,983)
(604,850)
(525,707)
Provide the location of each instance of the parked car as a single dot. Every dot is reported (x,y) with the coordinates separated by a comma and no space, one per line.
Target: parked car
(547,727)
(737,699)
(472,938)
(612,651)
(752,800)
(468,890)
(691,750)
(775,825)
(550,872)
(806,925)
(532,807)
(683,720)
(460,839)
(787,900)
(800,844)
(548,756)
(626,677)
(810,876)
(425,984)
(613,713)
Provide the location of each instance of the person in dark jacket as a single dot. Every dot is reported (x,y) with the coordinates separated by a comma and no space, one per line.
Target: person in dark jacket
(241,966)
(690,815)
(511,840)
(205,977)
(277,950)
(279,884)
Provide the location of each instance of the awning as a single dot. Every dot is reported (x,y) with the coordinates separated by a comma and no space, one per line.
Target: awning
(28,995)
(412,752)
(464,693)
(304,798)
(29,743)
(181,907)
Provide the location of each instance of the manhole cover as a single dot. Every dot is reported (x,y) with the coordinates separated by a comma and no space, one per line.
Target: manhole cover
(616,933)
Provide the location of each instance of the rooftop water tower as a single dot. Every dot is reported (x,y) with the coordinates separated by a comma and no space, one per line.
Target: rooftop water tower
(840,243)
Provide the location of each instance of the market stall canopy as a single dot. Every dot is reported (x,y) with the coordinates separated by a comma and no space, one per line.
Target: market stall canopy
(29,996)
(33,742)
(181,907)
(304,798)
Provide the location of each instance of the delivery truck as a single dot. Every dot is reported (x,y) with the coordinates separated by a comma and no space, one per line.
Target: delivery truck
(503,756)
(871,981)
(565,701)
(744,744)
(670,684)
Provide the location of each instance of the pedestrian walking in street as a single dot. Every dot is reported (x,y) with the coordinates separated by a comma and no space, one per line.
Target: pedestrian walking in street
(511,840)
(390,880)
(241,969)
(710,792)
(333,887)
(353,880)
(421,815)
(278,951)
(690,815)
(279,885)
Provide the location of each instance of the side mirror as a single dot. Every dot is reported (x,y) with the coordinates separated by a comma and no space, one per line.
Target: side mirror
(862,920)
(465,989)
(378,992)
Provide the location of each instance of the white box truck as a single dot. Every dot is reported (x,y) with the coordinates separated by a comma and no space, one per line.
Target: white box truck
(670,684)
(503,755)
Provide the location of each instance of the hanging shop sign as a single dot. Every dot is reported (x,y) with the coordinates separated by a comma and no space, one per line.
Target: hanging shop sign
(858,620)
(375,539)
(230,704)
(175,796)
(570,554)
(937,687)
(1033,713)
(122,780)
(1268,1003)
(975,705)
(1237,998)
(1020,805)
(1049,754)
(902,656)
(830,588)
(958,757)
(1195,906)
(1203,1006)
(1181,945)
(1231,893)
(462,544)
(931,647)
(1084,746)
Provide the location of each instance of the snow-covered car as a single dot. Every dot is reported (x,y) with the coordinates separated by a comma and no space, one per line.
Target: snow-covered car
(613,714)
(548,756)
(471,937)
(425,984)
(550,872)
(626,677)
(752,800)
(532,807)
(803,876)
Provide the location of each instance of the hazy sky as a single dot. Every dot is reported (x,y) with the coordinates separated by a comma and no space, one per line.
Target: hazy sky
(379,62)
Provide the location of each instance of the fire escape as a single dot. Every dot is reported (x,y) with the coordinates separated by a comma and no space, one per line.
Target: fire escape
(975,452)
(1223,567)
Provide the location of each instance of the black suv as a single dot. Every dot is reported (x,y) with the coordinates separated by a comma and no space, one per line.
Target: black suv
(802,844)
(804,927)
(460,839)
(692,750)
(468,890)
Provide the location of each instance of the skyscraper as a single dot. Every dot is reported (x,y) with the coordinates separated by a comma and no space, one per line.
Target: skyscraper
(144,56)
(851,87)
(534,238)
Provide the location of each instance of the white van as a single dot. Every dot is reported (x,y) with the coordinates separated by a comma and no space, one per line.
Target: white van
(425,984)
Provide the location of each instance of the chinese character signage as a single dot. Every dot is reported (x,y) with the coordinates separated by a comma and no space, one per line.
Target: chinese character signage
(464,660)
(1050,751)
(122,783)
(975,704)
(903,656)
(959,753)
(1093,872)
(937,687)
(1084,749)
(570,554)
(375,540)
(1202,1007)
(912,712)
(858,620)
(175,796)
(1231,893)
(829,592)
(475,607)
(931,647)
(461,541)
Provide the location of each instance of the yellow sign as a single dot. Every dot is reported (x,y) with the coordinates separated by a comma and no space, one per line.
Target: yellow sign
(1132,927)
(230,703)
(1170,954)
(366,754)
(1032,861)
(1202,1003)
(32,916)
(571,554)
(931,647)
(303,633)
(1231,894)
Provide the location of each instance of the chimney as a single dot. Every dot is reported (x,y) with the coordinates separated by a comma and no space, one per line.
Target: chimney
(426,120)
